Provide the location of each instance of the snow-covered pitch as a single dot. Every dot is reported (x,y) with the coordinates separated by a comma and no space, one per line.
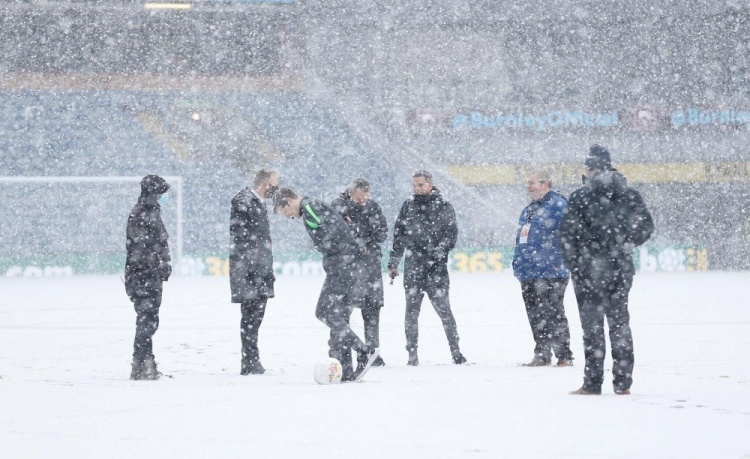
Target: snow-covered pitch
(65,347)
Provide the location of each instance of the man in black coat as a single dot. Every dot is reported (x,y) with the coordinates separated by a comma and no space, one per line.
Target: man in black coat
(426,231)
(342,287)
(251,275)
(604,221)
(147,266)
(367,222)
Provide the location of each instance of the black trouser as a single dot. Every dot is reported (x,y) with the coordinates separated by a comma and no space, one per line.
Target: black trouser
(600,297)
(146,324)
(334,309)
(437,288)
(252,316)
(546,312)
(370,306)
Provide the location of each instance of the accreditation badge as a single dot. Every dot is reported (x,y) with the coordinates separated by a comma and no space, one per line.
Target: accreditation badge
(524,233)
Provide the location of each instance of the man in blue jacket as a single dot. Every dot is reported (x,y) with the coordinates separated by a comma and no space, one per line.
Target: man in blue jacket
(538,264)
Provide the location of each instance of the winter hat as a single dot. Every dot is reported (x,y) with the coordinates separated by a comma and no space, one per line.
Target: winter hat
(598,158)
(153,184)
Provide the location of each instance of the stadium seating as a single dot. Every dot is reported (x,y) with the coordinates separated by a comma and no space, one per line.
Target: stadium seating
(128,133)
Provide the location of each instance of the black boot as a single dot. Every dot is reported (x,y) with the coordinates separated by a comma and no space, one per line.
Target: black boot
(458,358)
(413,359)
(251,367)
(136,372)
(347,369)
(379,362)
(150,372)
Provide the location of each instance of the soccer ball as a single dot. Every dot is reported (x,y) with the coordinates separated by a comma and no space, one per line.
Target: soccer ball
(328,371)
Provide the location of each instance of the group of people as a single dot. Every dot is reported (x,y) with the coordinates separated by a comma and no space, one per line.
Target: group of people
(589,238)
(349,233)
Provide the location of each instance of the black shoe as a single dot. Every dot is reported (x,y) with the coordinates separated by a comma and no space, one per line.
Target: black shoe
(252,368)
(458,358)
(362,357)
(379,362)
(583,391)
(413,359)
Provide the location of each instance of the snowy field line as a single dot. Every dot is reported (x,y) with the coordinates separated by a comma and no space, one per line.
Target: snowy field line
(65,347)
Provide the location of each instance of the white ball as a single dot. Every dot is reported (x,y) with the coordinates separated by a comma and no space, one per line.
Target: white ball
(328,371)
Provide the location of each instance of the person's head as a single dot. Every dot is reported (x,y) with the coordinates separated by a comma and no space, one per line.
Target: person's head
(538,184)
(421,183)
(598,160)
(286,202)
(153,185)
(266,183)
(359,191)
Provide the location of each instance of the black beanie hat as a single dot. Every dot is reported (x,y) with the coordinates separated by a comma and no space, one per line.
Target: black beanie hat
(598,158)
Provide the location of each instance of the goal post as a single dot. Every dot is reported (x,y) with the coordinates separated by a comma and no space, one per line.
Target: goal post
(76,215)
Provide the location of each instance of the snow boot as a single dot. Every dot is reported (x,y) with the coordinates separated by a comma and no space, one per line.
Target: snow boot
(150,372)
(252,366)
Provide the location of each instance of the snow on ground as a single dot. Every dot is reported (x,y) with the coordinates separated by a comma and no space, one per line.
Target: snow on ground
(65,347)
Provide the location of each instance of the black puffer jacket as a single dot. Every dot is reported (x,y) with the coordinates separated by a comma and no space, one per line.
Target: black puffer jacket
(368,224)
(426,231)
(147,242)
(250,256)
(604,221)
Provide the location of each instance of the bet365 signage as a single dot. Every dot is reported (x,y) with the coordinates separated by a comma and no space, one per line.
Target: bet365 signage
(671,258)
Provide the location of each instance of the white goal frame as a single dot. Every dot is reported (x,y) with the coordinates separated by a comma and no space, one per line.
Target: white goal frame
(175,181)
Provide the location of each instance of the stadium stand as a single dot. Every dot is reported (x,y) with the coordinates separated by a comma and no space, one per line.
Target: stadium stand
(127,133)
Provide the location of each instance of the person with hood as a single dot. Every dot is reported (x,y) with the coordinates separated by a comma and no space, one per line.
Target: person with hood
(342,287)
(251,276)
(147,266)
(604,221)
(367,222)
(426,231)
(538,265)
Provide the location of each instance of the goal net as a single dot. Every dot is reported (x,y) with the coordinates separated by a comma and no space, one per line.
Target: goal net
(59,226)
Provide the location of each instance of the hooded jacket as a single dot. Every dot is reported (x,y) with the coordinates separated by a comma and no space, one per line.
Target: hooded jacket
(147,241)
(250,250)
(426,231)
(604,221)
(539,254)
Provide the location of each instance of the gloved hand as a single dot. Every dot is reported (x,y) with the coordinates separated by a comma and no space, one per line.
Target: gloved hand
(165,270)
(437,254)
(392,273)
